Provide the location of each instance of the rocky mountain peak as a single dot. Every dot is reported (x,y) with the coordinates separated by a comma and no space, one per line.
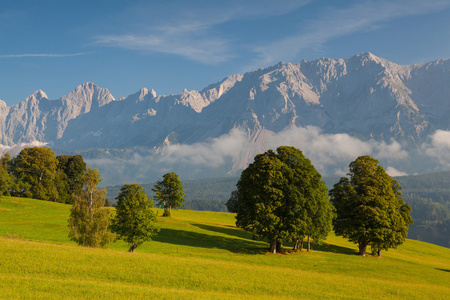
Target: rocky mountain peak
(89,95)
(38,95)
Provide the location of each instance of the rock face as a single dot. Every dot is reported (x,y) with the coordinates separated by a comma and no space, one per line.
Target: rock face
(364,95)
(39,119)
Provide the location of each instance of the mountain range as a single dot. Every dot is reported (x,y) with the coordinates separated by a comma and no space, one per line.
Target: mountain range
(332,109)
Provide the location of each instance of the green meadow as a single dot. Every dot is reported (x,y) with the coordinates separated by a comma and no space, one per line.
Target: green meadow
(201,255)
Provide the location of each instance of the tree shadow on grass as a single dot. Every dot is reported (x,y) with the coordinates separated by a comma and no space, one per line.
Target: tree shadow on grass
(245,235)
(231,231)
(202,240)
(443,270)
(334,249)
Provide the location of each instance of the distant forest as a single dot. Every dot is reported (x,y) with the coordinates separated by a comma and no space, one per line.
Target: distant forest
(201,194)
(428,195)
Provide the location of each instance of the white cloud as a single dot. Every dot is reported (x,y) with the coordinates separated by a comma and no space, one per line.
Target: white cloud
(439,147)
(43,55)
(394,172)
(15,149)
(212,154)
(330,153)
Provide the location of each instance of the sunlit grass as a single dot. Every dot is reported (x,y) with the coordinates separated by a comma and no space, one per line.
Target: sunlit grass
(201,255)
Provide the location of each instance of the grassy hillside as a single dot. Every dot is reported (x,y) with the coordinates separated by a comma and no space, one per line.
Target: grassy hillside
(428,195)
(201,255)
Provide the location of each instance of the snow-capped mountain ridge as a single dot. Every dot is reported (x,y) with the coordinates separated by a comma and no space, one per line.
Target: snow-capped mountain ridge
(364,95)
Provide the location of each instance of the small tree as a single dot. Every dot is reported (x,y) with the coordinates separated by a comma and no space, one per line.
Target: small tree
(89,219)
(233,203)
(134,220)
(369,208)
(169,192)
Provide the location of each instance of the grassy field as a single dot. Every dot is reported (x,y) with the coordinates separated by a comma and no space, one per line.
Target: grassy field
(201,255)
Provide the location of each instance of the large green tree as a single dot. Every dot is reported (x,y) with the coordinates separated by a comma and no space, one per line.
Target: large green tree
(169,192)
(282,197)
(89,219)
(34,171)
(134,220)
(369,207)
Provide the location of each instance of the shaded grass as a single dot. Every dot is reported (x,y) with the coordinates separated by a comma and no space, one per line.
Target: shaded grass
(201,255)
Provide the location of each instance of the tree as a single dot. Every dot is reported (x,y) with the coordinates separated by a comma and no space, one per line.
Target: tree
(6,179)
(89,219)
(233,203)
(281,197)
(70,172)
(169,192)
(34,170)
(134,220)
(369,207)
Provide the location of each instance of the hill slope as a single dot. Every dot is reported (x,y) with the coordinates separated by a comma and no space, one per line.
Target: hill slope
(201,255)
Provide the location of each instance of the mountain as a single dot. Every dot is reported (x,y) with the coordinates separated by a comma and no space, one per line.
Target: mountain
(345,106)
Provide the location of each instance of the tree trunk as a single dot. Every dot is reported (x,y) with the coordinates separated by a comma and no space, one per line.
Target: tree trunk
(379,253)
(132,248)
(296,245)
(309,245)
(301,245)
(279,246)
(362,248)
(273,246)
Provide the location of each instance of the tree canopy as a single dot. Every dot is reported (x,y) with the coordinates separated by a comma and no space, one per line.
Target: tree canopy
(369,207)
(134,220)
(169,193)
(34,171)
(282,197)
(70,172)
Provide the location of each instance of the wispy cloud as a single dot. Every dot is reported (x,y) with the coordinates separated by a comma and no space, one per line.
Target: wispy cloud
(43,55)
(333,23)
(192,33)
(200,49)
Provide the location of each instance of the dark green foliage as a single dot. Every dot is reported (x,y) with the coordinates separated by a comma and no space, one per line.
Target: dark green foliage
(233,203)
(169,193)
(261,209)
(282,197)
(89,219)
(34,171)
(369,207)
(134,220)
(6,179)
(71,170)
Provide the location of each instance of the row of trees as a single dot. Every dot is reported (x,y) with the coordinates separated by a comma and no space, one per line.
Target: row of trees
(281,197)
(37,173)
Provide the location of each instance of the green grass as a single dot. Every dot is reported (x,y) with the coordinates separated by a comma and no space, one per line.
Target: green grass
(201,255)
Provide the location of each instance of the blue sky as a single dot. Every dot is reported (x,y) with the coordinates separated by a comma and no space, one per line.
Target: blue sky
(169,46)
